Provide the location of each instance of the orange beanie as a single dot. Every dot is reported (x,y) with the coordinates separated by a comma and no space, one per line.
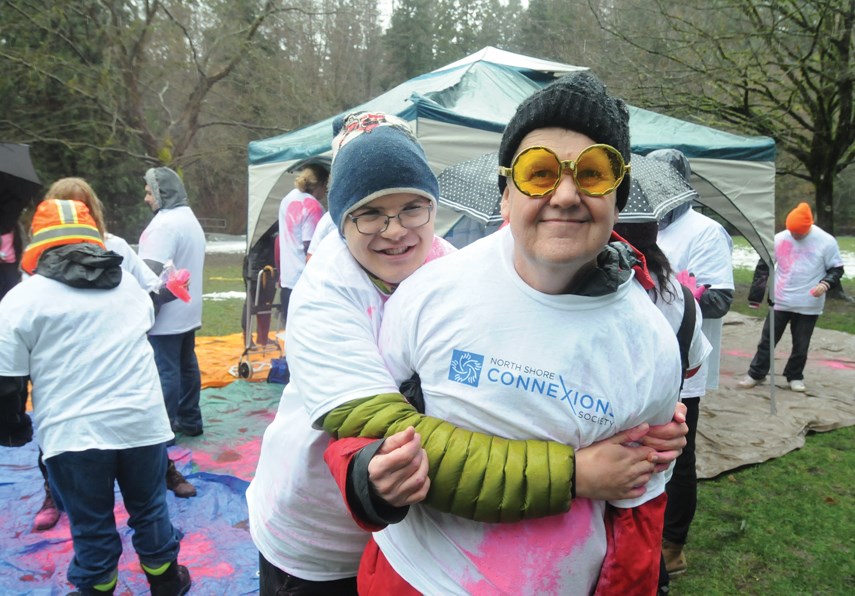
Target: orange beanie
(56,223)
(800,219)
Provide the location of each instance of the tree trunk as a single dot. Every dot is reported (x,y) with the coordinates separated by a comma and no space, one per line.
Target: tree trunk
(823,200)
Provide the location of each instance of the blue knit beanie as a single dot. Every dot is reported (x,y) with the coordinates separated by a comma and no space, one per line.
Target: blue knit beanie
(375,155)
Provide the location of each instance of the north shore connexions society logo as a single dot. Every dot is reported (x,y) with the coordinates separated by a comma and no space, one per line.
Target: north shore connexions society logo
(465,367)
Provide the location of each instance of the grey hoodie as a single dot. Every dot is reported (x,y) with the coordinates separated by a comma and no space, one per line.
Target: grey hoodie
(166,188)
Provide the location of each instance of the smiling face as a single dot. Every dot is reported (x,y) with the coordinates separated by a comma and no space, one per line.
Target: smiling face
(559,234)
(394,254)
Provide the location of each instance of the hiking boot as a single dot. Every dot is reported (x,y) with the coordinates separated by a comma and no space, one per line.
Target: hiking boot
(675,560)
(174,581)
(748,382)
(48,515)
(798,385)
(177,483)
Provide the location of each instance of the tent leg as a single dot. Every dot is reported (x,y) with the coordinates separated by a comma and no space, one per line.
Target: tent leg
(773,406)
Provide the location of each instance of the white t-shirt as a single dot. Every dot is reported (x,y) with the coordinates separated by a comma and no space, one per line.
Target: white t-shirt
(699,348)
(701,246)
(799,265)
(299,213)
(132,263)
(297,518)
(498,357)
(325,226)
(175,234)
(95,383)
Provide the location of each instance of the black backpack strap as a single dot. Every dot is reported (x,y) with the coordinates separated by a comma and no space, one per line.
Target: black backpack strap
(687,329)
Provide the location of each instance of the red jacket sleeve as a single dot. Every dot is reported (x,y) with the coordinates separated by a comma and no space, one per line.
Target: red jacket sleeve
(338,455)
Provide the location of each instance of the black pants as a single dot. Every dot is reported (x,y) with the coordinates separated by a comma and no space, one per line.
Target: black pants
(285,297)
(266,296)
(682,489)
(275,582)
(801,330)
(9,276)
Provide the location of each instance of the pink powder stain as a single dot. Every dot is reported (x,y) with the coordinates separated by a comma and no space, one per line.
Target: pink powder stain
(293,216)
(784,254)
(738,353)
(370,312)
(837,364)
(197,553)
(438,249)
(238,460)
(313,211)
(531,556)
(55,556)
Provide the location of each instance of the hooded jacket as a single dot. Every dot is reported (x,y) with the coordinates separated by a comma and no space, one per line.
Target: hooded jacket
(166,188)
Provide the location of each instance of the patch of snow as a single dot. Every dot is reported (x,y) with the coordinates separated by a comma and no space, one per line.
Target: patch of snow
(225,244)
(743,257)
(746,258)
(219,296)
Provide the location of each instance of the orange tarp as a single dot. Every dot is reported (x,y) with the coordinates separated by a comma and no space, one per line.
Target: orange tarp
(219,355)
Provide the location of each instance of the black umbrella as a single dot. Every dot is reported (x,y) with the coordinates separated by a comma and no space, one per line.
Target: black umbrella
(657,188)
(472,187)
(18,182)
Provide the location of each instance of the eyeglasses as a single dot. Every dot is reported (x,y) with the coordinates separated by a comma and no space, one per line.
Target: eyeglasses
(374,222)
(597,171)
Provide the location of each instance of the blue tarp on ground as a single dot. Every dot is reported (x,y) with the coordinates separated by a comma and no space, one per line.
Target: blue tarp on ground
(216,545)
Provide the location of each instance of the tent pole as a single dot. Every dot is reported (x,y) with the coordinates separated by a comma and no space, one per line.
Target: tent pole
(773,406)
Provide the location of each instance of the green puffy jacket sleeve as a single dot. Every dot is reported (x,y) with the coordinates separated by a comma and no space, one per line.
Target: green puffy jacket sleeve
(473,475)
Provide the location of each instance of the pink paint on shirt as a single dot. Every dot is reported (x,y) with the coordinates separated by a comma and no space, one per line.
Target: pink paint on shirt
(293,216)
(784,254)
(313,211)
(438,248)
(547,546)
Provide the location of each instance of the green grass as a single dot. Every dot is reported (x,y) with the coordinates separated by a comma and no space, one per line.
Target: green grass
(786,526)
(846,243)
(223,273)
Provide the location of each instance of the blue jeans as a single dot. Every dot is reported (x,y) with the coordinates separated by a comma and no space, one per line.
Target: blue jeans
(85,480)
(180,379)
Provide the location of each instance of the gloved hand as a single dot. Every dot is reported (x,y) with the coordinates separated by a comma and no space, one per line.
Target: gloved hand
(688,280)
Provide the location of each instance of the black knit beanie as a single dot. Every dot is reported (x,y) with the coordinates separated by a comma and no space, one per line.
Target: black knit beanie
(577,102)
